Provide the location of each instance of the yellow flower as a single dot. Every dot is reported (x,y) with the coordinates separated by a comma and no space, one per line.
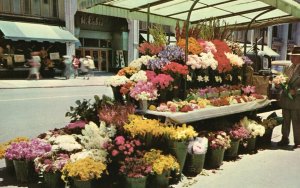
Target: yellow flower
(152,107)
(83,169)
(181,133)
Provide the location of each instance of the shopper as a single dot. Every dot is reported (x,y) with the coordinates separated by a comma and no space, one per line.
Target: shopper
(90,67)
(290,101)
(68,64)
(76,64)
(35,66)
(84,67)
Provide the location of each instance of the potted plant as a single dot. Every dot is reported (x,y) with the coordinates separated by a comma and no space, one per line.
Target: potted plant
(162,165)
(197,149)
(50,165)
(23,153)
(82,171)
(218,141)
(135,171)
(236,134)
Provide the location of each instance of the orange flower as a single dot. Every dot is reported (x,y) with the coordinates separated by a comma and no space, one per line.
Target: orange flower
(193,48)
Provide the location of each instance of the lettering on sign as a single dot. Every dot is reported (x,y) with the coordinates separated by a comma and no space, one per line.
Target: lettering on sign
(91,20)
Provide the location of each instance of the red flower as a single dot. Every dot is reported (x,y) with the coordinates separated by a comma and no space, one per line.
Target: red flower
(223,61)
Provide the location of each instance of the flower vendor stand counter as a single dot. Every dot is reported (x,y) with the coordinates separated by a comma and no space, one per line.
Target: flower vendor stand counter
(211,111)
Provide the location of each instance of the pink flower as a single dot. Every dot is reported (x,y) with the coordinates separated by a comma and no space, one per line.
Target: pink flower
(114,153)
(249,89)
(120,140)
(137,142)
(122,148)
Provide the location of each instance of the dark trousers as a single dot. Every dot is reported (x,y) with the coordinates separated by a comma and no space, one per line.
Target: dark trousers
(291,116)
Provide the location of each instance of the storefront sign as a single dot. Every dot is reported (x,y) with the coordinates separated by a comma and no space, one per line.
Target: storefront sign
(19,58)
(54,56)
(91,20)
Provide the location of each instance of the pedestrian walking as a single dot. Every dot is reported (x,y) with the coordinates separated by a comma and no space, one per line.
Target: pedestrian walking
(76,64)
(290,101)
(91,66)
(68,66)
(84,67)
(35,66)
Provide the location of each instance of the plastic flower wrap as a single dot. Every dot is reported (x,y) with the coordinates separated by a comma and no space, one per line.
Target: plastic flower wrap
(279,79)
(198,146)
(116,80)
(253,127)
(135,167)
(139,76)
(27,150)
(218,139)
(143,60)
(83,169)
(50,162)
(181,133)
(144,91)
(64,143)
(160,163)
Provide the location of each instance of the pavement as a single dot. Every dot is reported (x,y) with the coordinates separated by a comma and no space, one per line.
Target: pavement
(274,167)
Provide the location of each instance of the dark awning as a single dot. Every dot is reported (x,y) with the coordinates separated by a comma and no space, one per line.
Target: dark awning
(35,32)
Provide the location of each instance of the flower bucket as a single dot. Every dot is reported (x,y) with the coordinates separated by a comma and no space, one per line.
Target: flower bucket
(9,166)
(232,152)
(179,151)
(143,105)
(117,95)
(215,157)
(82,184)
(25,171)
(163,96)
(265,139)
(194,164)
(135,182)
(53,180)
(251,144)
(159,180)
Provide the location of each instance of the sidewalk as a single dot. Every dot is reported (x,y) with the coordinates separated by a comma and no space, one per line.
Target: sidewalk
(96,80)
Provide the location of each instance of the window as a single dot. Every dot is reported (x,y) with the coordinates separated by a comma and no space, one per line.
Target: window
(54,8)
(16,6)
(275,31)
(91,42)
(36,7)
(103,43)
(6,5)
(26,6)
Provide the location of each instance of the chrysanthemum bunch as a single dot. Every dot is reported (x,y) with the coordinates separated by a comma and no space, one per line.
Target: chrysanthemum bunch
(143,60)
(116,80)
(139,76)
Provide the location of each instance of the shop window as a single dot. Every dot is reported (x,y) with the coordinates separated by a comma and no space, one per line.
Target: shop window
(36,7)
(108,43)
(26,6)
(54,8)
(91,42)
(16,6)
(103,43)
(6,5)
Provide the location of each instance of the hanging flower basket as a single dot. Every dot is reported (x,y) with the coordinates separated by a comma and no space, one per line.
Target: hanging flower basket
(232,152)
(135,182)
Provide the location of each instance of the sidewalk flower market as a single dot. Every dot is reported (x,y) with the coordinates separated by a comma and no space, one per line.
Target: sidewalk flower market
(118,142)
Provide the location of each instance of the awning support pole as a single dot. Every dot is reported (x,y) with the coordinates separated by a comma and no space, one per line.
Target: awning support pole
(187,41)
(148,22)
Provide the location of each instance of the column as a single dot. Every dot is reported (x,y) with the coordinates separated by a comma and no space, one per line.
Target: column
(133,39)
(284,37)
(70,10)
(297,39)
(270,36)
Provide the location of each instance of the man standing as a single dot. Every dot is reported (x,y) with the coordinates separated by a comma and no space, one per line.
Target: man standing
(290,101)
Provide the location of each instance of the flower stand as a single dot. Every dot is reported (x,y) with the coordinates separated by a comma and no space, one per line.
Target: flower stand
(232,152)
(9,166)
(135,182)
(53,180)
(159,180)
(179,151)
(215,157)
(24,171)
(194,164)
(82,184)
(251,144)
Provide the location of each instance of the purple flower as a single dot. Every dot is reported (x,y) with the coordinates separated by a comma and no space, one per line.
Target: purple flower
(76,124)
(172,53)
(247,60)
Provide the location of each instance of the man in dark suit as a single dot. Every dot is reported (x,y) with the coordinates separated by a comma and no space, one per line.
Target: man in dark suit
(290,101)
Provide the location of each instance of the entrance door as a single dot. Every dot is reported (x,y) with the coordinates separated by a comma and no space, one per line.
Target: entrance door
(101,57)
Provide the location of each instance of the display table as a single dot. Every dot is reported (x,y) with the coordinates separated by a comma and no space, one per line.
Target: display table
(211,111)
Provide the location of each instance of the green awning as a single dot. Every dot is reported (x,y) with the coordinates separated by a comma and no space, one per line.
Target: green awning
(35,32)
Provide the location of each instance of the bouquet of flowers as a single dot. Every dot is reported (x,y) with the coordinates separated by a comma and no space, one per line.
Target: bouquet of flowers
(234,60)
(135,167)
(218,139)
(83,169)
(162,81)
(198,145)
(281,81)
(176,69)
(248,90)
(172,53)
(147,48)
(139,76)
(50,162)
(180,133)
(5,145)
(116,81)
(223,61)
(159,162)
(66,143)
(253,127)
(127,71)
(27,150)
(207,46)
(144,91)
(193,46)
(138,63)
(238,133)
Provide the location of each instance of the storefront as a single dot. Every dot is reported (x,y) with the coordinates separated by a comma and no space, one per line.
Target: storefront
(20,41)
(104,38)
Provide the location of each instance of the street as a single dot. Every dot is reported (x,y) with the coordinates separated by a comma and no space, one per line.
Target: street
(31,111)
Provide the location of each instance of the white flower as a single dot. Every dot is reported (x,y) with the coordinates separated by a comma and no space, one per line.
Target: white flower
(234,59)
(218,79)
(206,79)
(200,79)
(96,154)
(239,77)
(116,81)
(139,76)
(188,78)
(137,63)
(64,142)
(229,77)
